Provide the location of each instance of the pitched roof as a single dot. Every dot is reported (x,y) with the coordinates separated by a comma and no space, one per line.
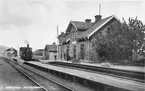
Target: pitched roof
(11,49)
(96,26)
(67,38)
(81,25)
(38,52)
(90,28)
(51,48)
(40,49)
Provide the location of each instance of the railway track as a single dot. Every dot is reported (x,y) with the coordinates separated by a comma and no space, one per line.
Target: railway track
(130,75)
(45,83)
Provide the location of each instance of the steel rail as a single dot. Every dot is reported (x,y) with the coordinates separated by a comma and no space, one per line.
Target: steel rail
(26,75)
(69,89)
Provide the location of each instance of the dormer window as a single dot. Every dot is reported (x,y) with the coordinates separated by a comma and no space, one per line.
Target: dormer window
(74,34)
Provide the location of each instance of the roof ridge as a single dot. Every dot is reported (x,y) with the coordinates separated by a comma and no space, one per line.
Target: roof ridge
(108,19)
(80,24)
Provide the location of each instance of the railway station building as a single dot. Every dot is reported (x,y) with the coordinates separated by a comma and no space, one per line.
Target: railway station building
(76,41)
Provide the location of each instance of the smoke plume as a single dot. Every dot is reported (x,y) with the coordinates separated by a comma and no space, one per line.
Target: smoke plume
(26,42)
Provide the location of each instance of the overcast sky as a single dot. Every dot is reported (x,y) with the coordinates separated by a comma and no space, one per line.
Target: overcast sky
(37,20)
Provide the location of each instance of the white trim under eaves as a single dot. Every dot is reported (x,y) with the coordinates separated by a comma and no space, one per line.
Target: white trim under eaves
(113,16)
(69,24)
(116,18)
(73,25)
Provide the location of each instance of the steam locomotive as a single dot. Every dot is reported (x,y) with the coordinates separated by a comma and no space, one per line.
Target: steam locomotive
(26,53)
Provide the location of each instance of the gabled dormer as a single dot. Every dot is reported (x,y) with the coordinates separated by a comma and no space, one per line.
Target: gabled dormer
(74,29)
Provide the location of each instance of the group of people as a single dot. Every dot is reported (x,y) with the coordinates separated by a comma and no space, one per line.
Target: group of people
(67,57)
(72,59)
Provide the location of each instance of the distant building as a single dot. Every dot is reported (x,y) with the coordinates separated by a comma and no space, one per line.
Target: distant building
(39,53)
(76,41)
(51,52)
(11,52)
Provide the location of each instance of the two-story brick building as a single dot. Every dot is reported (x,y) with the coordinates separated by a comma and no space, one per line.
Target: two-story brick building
(76,42)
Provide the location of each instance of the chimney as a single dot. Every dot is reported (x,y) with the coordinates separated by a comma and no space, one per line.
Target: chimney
(97,18)
(88,20)
(54,43)
(88,23)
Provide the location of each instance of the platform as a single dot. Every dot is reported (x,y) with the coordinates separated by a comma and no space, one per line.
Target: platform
(104,79)
(129,68)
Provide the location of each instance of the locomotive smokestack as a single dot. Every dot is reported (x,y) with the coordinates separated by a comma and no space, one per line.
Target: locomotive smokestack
(27,45)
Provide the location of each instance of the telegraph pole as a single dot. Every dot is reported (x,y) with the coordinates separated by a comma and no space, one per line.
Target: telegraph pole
(57,44)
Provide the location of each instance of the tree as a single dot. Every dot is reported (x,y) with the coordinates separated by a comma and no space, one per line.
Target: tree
(119,37)
(137,28)
(122,38)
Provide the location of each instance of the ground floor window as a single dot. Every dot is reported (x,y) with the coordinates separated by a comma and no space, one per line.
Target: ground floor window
(54,57)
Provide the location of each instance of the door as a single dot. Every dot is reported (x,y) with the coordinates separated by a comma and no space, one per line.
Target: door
(82,51)
(74,51)
(67,53)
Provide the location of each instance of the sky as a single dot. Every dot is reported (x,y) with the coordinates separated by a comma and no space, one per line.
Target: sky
(36,21)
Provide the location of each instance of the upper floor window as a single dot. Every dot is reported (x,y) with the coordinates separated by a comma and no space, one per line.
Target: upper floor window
(82,46)
(74,34)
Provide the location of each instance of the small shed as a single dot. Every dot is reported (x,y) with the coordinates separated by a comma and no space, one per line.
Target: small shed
(51,52)
(11,52)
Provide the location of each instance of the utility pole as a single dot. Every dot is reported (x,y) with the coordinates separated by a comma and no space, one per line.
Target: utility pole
(57,44)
